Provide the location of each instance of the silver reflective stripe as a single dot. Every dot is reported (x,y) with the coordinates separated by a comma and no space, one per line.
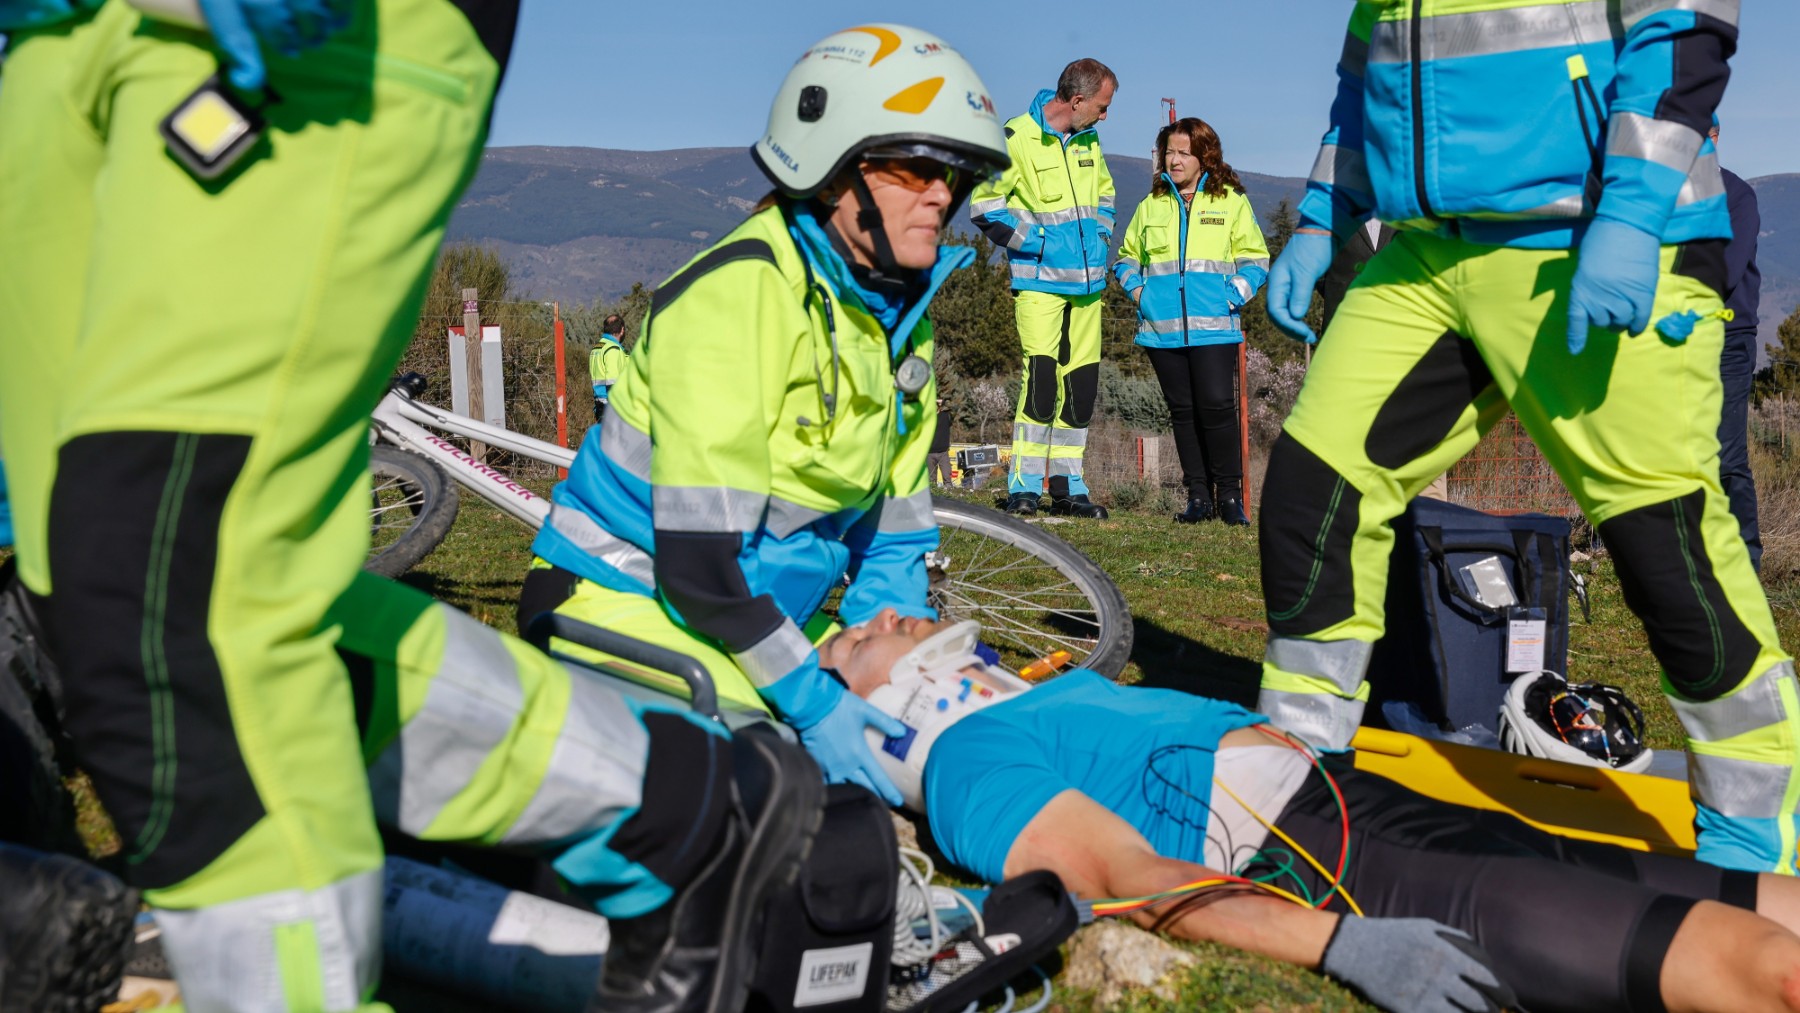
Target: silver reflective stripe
(1738,788)
(785,518)
(1355,58)
(1068,437)
(906,513)
(1341,662)
(987,207)
(1633,135)
(1106,202)
(1194,266)
(712,508)
(1262,262)
(1031,432)
(1174,326)
(226,959)
(1704,181)
(1487,33)
(1756,705)
(1340,166)
(1327,722)
(775,655)
(1061,216)
(602,544)
(1019,235)
(1243,286)
(1633,11)
(596,770)
(625,446)
(1055,273)
(1063,466)
(1032,464)
(470,707)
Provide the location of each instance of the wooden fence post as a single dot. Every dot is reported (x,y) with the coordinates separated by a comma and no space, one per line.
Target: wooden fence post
(472,357)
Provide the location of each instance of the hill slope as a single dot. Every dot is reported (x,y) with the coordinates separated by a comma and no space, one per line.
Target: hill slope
(580,223)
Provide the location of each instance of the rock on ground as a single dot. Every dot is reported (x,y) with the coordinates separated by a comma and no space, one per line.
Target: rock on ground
(1112,959)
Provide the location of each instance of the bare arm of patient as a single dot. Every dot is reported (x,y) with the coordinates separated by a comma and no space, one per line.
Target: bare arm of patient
(1097,854)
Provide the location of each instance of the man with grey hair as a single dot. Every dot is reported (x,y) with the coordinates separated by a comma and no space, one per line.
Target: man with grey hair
(1052,211)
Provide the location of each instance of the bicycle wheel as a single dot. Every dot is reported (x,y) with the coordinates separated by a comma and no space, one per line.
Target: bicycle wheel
(1032,592)
(412,505)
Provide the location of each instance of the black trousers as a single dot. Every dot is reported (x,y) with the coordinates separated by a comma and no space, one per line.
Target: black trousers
(1572,925)
(1199,385)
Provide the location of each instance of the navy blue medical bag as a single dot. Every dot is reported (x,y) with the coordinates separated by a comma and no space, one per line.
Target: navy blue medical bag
(1449,627)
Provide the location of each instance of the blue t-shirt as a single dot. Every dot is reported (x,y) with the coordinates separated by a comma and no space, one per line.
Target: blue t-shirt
(1145,754)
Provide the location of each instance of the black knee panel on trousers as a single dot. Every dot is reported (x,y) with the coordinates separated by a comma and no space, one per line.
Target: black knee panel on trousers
(544,590)
(1669,583)
(686,796)
(1040,389)
(133,542)
(1306,541)
(1081,388)
(1429,399)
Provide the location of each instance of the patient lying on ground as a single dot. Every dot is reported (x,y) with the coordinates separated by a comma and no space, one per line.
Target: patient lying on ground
(1125,792)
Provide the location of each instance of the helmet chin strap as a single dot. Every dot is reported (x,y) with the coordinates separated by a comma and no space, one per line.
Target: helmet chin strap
(887,276)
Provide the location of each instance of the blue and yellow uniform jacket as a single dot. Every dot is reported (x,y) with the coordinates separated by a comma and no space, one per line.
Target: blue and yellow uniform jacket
(1514,123)
(606,361)
(1190,260)
(744,467)
(1052,209)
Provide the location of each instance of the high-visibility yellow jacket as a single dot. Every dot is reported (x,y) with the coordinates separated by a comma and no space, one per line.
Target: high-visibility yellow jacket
(1192,264)
(744,467)
(606,362)
(1052,209)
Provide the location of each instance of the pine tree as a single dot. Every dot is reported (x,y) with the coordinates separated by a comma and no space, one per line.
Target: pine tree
(1782,375)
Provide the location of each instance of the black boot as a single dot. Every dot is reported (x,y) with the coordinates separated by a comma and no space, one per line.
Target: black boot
(65,931)
(1078,505)
(1199,508)
(698,951)
(1231,511)
(1022,504)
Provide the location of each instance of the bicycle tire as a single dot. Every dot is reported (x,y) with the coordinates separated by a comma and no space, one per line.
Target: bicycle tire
(412,505)
(1032,592)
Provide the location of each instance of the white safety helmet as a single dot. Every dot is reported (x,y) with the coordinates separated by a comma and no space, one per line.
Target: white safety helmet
(878,87)
(935,685)
(1587,723)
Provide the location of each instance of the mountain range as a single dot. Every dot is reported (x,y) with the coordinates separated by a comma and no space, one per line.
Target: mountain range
(577,224)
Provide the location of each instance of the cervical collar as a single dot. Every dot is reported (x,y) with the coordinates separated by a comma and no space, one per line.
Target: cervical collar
(935,685)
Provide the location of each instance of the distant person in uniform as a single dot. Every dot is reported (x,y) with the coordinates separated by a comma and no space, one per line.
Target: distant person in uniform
(1737,364)
(937,463)
(606,363)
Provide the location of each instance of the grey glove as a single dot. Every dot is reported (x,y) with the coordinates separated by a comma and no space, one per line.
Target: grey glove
(1414,965)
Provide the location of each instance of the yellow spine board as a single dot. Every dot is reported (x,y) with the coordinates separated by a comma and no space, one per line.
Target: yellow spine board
(1630,810)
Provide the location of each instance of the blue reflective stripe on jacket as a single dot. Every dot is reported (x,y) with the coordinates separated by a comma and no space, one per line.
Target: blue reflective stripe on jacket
(1052,209)
(1516,124)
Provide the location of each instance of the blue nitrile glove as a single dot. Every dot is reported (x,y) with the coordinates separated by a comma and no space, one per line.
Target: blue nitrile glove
(1292,280)
(838,744)
(1415,965)
(1678,327)
(240,28)
(1238,291)
(1615,281)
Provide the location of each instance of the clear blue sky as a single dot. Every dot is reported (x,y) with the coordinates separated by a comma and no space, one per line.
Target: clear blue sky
(654,74)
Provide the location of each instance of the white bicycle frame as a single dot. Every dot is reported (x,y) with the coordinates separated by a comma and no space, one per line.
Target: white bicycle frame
(401,421)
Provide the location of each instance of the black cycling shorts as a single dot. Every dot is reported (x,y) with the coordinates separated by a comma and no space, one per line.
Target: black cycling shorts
(1571,925)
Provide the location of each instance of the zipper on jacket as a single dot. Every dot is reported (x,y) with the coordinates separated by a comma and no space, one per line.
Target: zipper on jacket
(1087,271)
(1418,107)
(1187,210)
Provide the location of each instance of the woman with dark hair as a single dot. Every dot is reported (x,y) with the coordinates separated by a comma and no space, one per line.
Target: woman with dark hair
(1192,256)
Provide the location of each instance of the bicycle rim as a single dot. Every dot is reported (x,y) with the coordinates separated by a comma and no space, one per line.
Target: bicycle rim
(1032,592)
(411,508)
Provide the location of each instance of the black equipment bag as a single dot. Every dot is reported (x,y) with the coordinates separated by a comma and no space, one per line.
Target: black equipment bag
(1446,648)
(826,943)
